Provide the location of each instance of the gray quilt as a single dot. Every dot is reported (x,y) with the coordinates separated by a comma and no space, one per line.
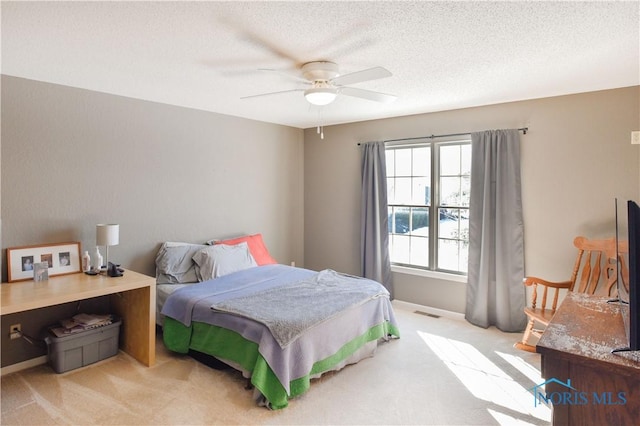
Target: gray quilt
(290,310)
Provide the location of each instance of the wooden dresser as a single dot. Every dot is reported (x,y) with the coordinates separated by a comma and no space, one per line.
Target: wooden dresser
(587,384)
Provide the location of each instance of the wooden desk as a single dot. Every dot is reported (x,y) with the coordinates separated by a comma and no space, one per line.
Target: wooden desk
(133,298)
(576,346)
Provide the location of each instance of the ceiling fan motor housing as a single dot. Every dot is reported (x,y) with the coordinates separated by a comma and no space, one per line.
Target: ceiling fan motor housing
(320,71)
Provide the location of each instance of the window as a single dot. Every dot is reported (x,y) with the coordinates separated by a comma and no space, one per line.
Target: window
(429,211)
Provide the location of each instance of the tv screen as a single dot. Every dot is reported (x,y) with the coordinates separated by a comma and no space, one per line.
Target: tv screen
(628,234)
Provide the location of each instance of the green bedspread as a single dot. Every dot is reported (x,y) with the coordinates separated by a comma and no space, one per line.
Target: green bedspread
(228,345)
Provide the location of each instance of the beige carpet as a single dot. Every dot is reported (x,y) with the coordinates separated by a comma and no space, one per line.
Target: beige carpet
(441,372)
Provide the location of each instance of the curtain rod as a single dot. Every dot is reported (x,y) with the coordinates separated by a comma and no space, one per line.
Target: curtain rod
(522,129)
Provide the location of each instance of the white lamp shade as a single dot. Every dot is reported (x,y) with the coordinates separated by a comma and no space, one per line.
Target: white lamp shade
(320,95)
(107,234)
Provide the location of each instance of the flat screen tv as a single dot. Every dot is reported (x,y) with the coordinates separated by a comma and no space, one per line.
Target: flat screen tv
(629,286)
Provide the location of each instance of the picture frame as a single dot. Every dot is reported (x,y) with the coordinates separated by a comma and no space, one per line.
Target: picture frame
(62,259)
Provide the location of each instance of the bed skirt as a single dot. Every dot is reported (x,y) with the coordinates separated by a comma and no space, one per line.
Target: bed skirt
(242,354)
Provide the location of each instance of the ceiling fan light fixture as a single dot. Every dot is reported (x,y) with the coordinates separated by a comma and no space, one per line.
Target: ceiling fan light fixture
(320,95)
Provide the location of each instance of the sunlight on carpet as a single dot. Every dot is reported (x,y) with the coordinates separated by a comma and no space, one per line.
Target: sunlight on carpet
(488,382)
(524,367)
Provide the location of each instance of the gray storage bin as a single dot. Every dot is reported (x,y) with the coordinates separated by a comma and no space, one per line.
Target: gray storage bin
(84,348)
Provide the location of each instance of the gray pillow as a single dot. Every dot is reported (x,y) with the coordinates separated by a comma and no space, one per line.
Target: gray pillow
(218,260)
(174,263)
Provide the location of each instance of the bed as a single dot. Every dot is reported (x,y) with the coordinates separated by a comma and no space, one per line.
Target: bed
(281,326)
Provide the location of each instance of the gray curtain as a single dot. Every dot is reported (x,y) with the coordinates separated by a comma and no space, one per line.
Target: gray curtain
(495,293)
(374,233)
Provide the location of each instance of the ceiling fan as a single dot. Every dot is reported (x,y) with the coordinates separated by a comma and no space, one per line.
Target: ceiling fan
(325,83)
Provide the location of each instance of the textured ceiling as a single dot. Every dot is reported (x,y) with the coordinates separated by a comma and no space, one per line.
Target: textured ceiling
(206,55)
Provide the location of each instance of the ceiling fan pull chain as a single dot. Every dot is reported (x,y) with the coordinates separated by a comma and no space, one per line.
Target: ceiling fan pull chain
(320,128)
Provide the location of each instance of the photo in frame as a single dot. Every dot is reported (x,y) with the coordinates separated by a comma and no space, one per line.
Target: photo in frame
(41,271)
(60,258)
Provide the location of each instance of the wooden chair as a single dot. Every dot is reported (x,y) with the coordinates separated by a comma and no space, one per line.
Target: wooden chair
(594,272)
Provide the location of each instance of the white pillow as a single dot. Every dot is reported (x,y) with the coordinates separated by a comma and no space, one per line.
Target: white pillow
(218,260)
(174,263)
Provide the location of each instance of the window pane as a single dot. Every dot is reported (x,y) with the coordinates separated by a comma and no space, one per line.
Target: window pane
(453,239)
(420,221)
(400,249)
(420,251)
(421,191)
(403,162)
(465,152)
(390,159)
(450,160)
(453,224)
(391,190)
(464,258)
(463,228)
(453,255)
(450,191)
(399,221)
(422,161)
(403,190)
(448,225)
(448,255)
(465,191)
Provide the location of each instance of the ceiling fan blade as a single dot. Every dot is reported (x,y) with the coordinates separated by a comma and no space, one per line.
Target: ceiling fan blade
(354,38)
(360,76)
(272,93)
(347,48)
(256,39)
(271,47)
(285,74)
(367,94)
(231,69)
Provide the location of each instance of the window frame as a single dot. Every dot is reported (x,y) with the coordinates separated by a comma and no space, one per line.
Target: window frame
(434,206)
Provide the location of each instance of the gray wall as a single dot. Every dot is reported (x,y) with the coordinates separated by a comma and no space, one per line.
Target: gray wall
(73,158)
(576,158)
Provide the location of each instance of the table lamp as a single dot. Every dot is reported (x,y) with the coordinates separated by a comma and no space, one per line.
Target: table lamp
(107,235)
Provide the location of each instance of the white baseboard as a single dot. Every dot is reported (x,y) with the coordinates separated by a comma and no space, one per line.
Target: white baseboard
(408,306)
(23,365)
